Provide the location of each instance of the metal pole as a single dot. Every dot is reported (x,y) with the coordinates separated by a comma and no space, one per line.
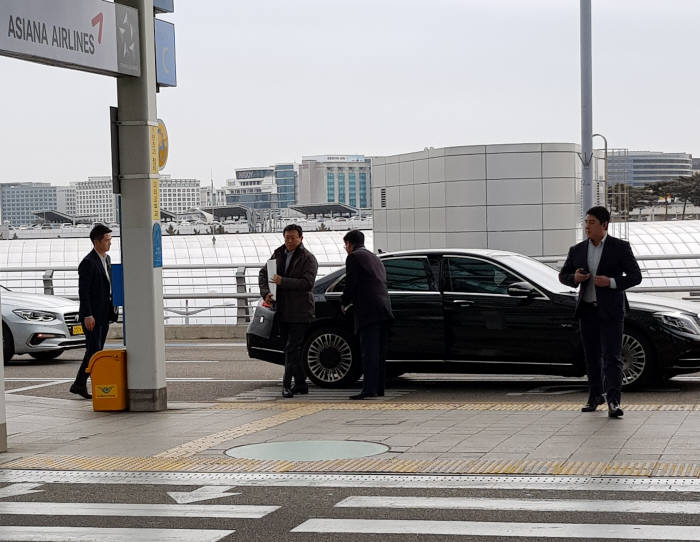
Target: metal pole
(586,107)
(143,284)
(605,163)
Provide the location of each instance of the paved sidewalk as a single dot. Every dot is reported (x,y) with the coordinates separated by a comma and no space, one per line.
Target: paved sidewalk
(456,437)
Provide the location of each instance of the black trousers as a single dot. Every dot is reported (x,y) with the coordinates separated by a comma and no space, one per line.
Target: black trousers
(372,351)
(294,340)
(602,345)
(94,342)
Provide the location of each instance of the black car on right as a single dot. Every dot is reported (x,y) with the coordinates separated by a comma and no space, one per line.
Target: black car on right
(487,311)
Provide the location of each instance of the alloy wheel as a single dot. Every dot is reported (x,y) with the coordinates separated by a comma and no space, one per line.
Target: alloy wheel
(329,357)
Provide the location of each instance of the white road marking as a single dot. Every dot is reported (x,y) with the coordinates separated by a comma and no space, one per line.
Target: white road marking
(534,505)
(203,493)
(410,481)
(136,510)
(11,533)
(190,361)
(13,490)
(505,529)
(44,385)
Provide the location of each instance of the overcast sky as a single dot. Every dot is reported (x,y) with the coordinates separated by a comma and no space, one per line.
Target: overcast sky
(265,81)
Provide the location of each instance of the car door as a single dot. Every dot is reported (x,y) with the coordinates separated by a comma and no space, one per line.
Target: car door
(484,323)
(418,331)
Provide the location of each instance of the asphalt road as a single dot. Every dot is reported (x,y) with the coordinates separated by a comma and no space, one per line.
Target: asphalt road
(220,370)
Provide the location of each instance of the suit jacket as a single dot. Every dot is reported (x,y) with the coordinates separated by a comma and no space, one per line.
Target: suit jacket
(94,289)
(365,288)
(616,262)
(295,302)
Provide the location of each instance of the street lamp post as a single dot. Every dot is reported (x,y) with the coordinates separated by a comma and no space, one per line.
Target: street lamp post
(605,162)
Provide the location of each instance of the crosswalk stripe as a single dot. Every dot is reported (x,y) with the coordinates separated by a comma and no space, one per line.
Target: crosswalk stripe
(550,505)
(136,510)
(491,528)
(11,533)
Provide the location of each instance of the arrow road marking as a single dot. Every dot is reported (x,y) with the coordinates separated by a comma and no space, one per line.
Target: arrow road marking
(203,493)
(14,490)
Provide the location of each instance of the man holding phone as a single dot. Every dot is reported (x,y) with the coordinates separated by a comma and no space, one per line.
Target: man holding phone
(604,267)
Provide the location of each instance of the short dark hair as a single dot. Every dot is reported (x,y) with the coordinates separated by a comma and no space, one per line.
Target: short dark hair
(98,232)
(599,212)
(355,237)
(293,227)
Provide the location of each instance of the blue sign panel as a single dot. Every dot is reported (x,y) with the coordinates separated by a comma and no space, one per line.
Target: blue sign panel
(164,6)
(165,53)
(117,285)
(157,246)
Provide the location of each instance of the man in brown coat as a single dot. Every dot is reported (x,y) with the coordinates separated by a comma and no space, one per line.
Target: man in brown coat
(294,304)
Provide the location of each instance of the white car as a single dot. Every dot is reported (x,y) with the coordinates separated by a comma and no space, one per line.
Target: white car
(42,326)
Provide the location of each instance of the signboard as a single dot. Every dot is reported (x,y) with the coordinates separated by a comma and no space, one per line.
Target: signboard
(155,200)
(153,145)
(117,285)
(157,246)
(162,145)
(166,73)
(89,35)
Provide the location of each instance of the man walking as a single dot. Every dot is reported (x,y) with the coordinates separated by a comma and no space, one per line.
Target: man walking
(605,267)
(365,288)
(96,309)
(295,277)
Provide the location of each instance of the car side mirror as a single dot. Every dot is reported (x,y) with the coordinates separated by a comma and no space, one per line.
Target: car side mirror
(522,289)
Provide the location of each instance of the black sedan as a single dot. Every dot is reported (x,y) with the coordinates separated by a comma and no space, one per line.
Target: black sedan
(486,311)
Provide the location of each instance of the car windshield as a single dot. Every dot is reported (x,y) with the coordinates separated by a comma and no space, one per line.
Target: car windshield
(538,272)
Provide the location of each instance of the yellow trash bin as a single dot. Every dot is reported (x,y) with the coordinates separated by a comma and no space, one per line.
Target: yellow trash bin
(107,370)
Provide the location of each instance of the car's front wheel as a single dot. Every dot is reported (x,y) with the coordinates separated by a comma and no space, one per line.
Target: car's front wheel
(47,354)
(330,358)
(8,344)
(638,360)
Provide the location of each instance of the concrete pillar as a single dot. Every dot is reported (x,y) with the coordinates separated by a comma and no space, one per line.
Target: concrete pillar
(143,286)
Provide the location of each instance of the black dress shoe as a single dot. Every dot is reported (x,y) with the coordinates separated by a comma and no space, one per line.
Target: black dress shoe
(80,390)
(299,390)
(362,395)
(592,404)
(614,410)
(287,393)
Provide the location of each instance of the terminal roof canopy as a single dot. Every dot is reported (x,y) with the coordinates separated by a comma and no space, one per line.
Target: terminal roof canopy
(330,209)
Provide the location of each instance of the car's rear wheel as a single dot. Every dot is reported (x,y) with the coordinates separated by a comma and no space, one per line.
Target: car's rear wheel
(47,355)
(638,359)
(8,344)
(330,358)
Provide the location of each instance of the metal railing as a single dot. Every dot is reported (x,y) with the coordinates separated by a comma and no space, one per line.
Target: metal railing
(222,293)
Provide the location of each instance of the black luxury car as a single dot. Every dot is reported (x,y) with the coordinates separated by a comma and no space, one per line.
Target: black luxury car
(486,311)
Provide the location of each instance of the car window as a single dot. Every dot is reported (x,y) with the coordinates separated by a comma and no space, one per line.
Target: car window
(470,275)
(408,274)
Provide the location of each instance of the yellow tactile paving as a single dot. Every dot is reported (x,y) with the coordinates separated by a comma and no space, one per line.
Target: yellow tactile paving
(365,465)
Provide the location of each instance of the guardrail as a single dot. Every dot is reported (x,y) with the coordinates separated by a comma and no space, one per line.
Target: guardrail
(227,292)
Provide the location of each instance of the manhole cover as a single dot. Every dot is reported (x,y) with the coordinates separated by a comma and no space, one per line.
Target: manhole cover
(308,450)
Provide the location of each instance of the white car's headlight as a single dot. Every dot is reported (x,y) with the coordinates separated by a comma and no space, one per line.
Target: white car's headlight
(35,316)
(680,321)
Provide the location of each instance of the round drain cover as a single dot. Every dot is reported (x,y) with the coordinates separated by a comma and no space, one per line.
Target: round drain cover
(308,450)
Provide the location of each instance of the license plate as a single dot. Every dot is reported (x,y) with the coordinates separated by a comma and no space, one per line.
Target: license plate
(76,330)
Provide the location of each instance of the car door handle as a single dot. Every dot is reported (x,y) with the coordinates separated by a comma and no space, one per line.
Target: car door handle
(463,302)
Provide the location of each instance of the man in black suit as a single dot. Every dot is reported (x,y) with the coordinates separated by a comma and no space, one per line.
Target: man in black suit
(365,288)
(96,309)
(294,304)
(605,267)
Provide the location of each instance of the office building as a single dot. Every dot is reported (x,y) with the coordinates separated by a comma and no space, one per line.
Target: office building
(65,199)
(94,198)
(18,201)
(209,198)
(179,195)
(254,188)
(638,168)
(344,178)
(286,181)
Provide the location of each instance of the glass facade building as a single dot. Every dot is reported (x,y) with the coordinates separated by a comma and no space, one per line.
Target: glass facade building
(286,180)
(343,178)
(638,168)
(18,201)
